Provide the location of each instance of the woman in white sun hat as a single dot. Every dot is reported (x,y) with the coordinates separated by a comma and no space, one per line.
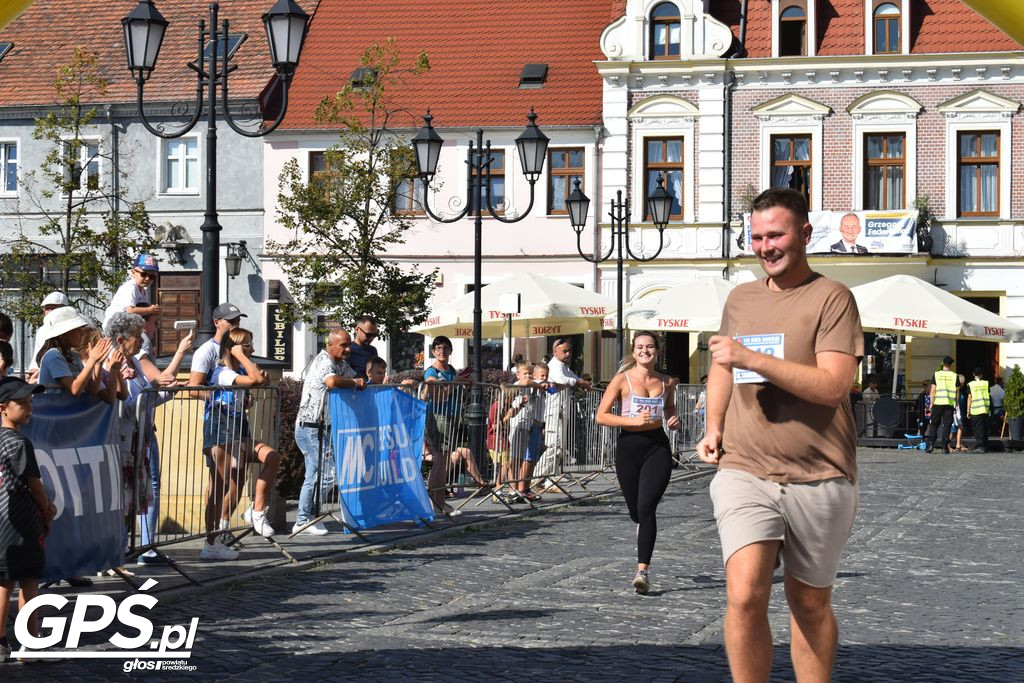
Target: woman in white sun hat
(62,330)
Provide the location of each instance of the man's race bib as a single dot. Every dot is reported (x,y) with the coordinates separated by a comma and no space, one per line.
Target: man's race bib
(769,344)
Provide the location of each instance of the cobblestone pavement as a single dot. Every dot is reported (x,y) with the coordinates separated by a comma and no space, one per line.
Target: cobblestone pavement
(930,589)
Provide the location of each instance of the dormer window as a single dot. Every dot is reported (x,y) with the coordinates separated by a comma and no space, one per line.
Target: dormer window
(887,29)
(665,31)
(793,32)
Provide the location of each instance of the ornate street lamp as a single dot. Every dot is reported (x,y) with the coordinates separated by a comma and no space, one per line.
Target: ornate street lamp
(144,30)
(532,146)
(659,207)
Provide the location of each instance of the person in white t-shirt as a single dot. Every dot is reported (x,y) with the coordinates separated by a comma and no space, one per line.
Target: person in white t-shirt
(129,295)
(226,317)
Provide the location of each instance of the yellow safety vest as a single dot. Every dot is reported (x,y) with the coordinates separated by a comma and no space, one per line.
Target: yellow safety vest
(979,396)
(945,388)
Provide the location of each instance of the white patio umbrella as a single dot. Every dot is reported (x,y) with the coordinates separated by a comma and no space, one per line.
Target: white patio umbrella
(547,307)
(905,304)
(691,307)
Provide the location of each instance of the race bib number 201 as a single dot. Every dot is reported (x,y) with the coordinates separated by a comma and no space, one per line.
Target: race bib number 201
(770,344)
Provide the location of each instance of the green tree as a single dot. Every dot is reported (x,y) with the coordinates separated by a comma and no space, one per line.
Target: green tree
(343,218)
(88,231)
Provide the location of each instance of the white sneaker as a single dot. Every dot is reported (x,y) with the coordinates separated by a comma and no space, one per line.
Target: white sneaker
(317,529)
(261,524)
(217,551)
(247,514)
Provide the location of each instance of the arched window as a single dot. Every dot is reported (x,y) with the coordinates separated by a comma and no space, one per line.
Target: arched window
(665,31)
(793,32)
(887,28)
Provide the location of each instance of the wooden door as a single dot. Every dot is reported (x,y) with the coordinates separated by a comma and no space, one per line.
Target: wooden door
(178,295)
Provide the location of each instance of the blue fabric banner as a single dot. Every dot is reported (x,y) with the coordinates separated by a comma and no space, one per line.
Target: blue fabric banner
(377,437)
(75,440)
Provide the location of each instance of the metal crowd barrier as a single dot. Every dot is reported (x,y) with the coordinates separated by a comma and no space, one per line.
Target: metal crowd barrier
(886,418)
(174,427)
(691,407)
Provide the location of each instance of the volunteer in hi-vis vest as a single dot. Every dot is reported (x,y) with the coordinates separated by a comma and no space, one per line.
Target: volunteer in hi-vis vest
(943,399)
(978,402)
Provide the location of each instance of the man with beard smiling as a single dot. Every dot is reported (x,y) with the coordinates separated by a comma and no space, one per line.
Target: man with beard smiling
(780,427)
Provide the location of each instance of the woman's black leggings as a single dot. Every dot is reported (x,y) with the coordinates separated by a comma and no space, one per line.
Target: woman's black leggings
(643,463)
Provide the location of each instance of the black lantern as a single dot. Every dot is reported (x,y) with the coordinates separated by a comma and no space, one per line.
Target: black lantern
(659,204)
(577,203)
(144,31)
(427,145)
(233,264)
(286,28)
(533,149)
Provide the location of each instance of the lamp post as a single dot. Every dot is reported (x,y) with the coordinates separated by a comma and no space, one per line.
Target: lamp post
(144,30)
(532,146)
(659,206)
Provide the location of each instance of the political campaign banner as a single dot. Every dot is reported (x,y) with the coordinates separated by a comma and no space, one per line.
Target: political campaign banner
(377,439)
(858,232)
(76,445)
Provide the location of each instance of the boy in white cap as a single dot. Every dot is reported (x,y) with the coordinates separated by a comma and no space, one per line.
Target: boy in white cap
(133,292)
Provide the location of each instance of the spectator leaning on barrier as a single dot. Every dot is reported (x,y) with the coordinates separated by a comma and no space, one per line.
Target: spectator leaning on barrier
(130,296)
(228,441)
(362,350)
(125,331)
(64,330)
(225,317)
(25,510)
(560,374)
(329,369)
(149,523)
(444,425)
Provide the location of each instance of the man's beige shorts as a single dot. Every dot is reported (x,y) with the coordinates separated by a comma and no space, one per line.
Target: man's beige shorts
(813,520)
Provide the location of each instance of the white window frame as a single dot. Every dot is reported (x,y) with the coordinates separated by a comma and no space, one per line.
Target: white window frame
(663,116)
(162,179)
(884,112)
(810,9)
(979,111)
(793,115)
(869,25)
(100,165)
(4,192)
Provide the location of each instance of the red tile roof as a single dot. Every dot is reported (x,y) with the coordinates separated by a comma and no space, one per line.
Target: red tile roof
(476,52)
(46,35)
(936,26)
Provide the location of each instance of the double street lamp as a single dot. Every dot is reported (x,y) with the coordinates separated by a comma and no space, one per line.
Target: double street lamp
(532,146)
(659,208)
(144,30)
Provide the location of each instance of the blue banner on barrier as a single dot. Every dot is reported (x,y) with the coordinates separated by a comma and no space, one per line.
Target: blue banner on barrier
(377,437)
(75,440)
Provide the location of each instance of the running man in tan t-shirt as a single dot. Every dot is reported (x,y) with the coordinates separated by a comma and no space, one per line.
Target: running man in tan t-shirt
(780,428)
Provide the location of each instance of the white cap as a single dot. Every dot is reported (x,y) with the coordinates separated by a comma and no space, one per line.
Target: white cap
(55,299)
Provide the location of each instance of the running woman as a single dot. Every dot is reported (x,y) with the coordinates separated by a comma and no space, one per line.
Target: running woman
(643,459)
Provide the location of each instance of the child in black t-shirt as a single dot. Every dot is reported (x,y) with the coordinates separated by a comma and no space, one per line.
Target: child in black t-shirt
(25,510)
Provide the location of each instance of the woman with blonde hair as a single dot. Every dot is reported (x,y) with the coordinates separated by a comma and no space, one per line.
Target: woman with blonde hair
(643,458)
(229,445)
